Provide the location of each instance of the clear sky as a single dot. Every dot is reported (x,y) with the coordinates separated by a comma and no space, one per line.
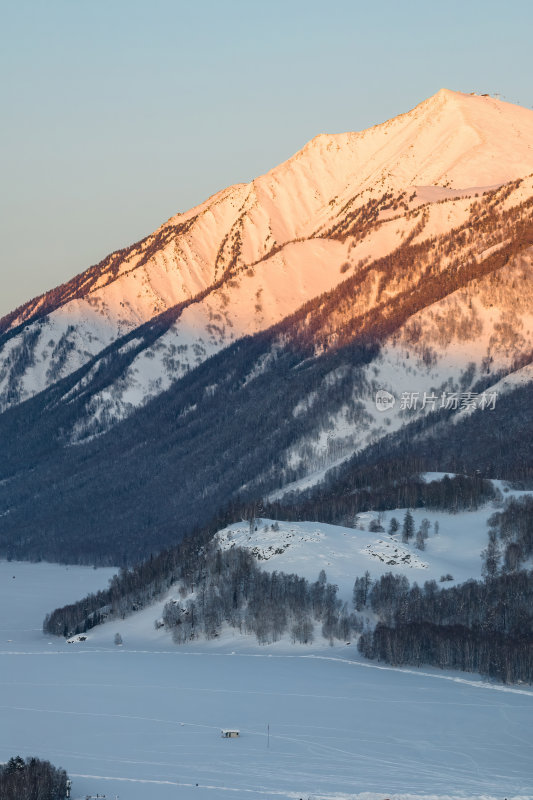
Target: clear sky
(116,114)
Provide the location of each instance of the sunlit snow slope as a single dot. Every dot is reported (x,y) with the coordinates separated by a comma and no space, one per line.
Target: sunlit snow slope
(252,254)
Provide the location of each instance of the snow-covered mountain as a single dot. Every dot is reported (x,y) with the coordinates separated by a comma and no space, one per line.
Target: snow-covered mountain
(411,242)
(254,253)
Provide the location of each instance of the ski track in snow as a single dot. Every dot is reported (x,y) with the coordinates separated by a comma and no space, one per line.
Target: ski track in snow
(479,684)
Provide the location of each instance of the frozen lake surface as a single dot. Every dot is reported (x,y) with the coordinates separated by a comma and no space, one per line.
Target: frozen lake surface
(143,721)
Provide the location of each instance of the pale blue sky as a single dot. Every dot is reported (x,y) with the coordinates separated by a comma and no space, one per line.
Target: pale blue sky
(116,114)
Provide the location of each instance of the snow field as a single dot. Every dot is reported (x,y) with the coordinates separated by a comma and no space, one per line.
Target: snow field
(143,720)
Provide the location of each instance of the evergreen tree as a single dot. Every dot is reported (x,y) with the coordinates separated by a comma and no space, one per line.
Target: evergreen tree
(408,527)
(361,589)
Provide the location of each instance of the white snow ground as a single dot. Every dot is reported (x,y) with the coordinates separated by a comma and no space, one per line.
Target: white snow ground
(143,721)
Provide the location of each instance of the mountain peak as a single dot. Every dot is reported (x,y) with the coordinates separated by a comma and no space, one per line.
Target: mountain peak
(292,220)
(451,139)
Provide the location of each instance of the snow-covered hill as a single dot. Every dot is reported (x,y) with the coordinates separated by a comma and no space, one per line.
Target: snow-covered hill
(305,548)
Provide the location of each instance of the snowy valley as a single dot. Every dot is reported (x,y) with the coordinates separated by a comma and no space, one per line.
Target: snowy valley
(314,721)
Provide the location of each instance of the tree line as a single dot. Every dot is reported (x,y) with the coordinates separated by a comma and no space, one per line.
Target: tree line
(133,588)
(478,626)
(32,779)
(391,483)
(233,591)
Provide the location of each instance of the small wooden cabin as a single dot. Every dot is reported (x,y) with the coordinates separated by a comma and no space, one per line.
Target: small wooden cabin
(230,733)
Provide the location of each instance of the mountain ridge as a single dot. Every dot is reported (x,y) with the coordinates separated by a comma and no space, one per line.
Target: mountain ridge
(444,98)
